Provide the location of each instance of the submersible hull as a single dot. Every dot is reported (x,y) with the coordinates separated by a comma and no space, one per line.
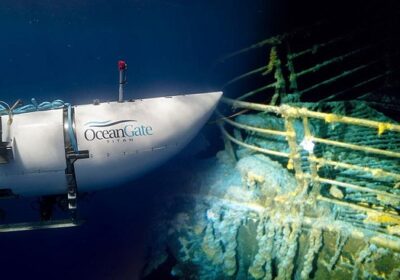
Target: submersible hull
(109,143)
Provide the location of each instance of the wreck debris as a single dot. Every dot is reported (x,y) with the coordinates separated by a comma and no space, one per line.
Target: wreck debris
(307,183)
(341,239)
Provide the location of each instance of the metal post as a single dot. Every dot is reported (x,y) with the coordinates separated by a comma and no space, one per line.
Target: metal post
(122,66)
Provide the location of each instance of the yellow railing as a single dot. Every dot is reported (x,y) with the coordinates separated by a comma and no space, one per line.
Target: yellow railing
(312,179)
(290,74)
(293,73)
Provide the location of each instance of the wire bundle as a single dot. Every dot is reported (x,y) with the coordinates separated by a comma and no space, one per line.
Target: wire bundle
(34,106)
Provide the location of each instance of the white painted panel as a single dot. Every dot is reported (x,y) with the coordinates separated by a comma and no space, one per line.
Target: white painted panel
(37,141)
(153,130)
(163,127)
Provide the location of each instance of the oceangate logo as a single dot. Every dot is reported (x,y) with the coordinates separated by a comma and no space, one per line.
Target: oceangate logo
(116,131)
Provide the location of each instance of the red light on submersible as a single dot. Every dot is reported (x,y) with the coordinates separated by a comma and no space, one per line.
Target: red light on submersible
(122,65)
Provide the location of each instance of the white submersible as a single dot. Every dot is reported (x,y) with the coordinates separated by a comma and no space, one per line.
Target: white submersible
(101,145)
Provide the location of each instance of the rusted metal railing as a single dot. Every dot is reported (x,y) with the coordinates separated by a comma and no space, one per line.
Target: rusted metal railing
(325,70)
(293,73)
(310,182)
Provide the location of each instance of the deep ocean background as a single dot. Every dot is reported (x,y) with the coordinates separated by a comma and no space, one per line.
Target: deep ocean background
(69,49)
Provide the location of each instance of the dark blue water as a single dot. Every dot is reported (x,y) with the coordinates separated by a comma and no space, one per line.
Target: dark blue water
(69,50)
